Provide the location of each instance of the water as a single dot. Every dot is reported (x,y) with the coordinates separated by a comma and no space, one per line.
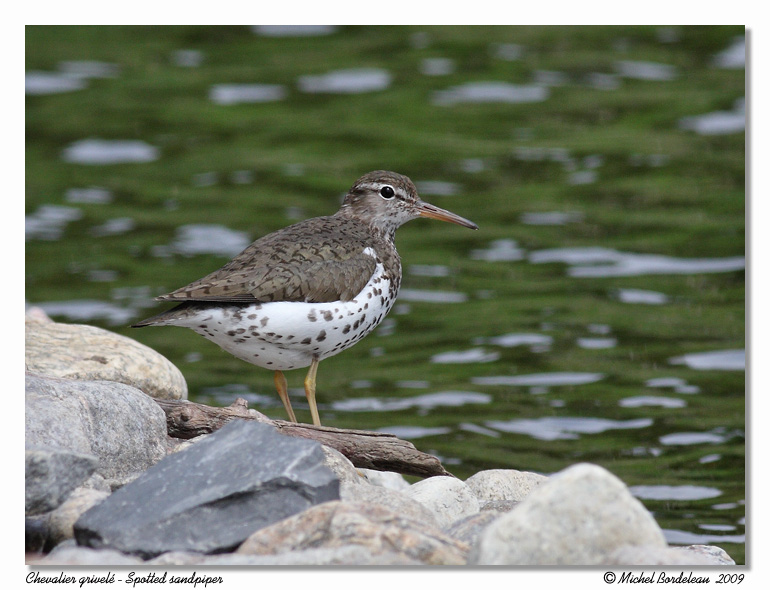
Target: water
(227,94)
(490,92)
(354,81)
(597,315)
(109,151)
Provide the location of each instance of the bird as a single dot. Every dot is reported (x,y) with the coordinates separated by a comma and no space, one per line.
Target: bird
(308,291)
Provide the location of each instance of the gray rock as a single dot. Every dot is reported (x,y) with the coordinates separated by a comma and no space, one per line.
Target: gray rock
(388,498)
(578,517)
(61,520)
(213,495)
(35,533)
(50,475)
(123,427)
(88,353)
(70,554)
(338,524)
(503,484)
(447,497)
(655,556)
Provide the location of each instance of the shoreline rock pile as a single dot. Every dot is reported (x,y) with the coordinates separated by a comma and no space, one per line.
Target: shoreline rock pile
(107,486)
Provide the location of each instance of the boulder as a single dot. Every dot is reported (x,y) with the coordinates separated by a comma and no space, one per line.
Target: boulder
(211,496)
(578,517)
(118,424)
(88,353)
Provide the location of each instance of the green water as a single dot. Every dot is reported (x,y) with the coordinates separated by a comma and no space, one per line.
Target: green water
(606,149)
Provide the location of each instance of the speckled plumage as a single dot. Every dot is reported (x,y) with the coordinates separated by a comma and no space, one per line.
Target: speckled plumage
(310,290)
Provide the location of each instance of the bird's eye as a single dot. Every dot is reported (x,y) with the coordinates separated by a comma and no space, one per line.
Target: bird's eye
(387,192)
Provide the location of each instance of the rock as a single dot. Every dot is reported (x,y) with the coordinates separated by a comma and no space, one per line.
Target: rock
(714,555)
(51,474)
(60,521)
(338,524)
(388,498)
(70,554)
(341,466)
(355,555)
(177,558)
(386,479)
(447,497)
(35,533)
(578,517)
(123,427)
(88,353)
(470,528)
(213,495)
(503,484)
(654,556)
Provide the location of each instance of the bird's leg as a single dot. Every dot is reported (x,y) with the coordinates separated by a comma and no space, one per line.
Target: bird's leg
(310,391)
(280,385)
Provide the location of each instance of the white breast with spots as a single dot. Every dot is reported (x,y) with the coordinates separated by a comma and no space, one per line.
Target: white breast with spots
(286,335)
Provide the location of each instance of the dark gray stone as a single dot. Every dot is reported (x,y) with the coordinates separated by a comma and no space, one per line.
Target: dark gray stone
(51,474)
(210,497)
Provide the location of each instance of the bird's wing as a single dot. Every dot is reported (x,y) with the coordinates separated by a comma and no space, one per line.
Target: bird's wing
(282,270)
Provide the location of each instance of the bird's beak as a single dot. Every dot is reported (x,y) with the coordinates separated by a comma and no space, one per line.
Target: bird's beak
(427,210)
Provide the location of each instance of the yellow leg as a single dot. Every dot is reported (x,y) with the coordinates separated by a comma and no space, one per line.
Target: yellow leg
(310,391)
(280,385)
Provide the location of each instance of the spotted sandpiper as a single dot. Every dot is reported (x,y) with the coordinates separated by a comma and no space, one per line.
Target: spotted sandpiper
(308,291)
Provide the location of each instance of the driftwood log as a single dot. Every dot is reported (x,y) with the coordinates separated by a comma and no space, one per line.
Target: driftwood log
(370,450)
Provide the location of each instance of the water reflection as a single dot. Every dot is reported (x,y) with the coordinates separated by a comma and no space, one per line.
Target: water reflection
(641,296)
(353,81)
(227,94)
(692,438)
(716,360)
(49,221)
(431,296)
(536,342)
(205,239)
(109,151)
(604,262)
(474,355)
(91,195)
(677,384)
(541,379)
(41,83)
(490,92)
(89,310)
(683,492)
(718,122)
(504,250)
(676,537)
(734,56)
(293,30)
(646,70)
(639,401)
(565,428)
(428,401)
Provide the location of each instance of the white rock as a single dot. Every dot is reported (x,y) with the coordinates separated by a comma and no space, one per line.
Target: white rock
(449,499)
(578,517)
(493,485)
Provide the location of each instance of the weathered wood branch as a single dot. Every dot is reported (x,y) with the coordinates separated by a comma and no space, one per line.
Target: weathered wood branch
(372,450)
